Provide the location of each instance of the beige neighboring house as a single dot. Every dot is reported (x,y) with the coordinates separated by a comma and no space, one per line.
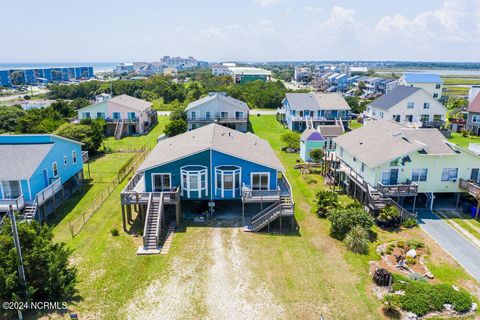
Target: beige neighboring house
(408,105)
(124,115)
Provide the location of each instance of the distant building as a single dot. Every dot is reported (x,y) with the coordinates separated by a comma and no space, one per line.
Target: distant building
(408,105)
(220,70)
(170,71)
(248,74)
(354,69)
(123,68)
(179,62)
(302,74)
(429,82)
(43,75)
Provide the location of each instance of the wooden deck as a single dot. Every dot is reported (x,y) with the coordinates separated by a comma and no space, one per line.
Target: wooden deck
(398,190)
(471,187)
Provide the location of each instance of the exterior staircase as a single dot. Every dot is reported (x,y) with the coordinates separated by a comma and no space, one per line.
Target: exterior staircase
(309,123)
(119,129)
(270,213)
(153,226)
(29,212)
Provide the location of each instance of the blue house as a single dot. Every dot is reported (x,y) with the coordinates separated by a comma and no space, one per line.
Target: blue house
(319,138)
(212,172)
(37,172)
(309,110)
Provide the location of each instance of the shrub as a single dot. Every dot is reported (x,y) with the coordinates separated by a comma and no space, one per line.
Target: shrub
(343,220)
(175,127)
(461,301)
(291,139)
(316,155)
(416,277)
(416,299)
(410,223)
(381,277)
(391,303)
(401,244)
(415,244)
(411,261)
(356,240)
(114,232)
(389,216)
(325,201)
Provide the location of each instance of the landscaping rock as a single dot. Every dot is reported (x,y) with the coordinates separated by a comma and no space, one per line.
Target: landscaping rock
(474,307)
(455,288)
(428,275)
(410,316)
(448,307)
(400,292)
(412,253)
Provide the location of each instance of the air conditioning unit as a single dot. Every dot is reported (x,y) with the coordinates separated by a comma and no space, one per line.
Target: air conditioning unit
(453,180)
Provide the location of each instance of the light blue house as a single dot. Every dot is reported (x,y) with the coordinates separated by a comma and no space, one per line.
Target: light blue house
(36,172)
(210,173)
(309,110)
(319,138)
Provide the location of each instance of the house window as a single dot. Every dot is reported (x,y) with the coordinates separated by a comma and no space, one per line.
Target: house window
(449,174)
(362,167)
(424,118)
(438,86)
(426,105)
(131,115)
(341,152)
(65,162)
(208,115)
(55,169)
(239,115)
(475,175)
(260,181)
(86,115)
(193,114)
(11,189)
(227,178)
(116,115)
(476,118)
(100,115)
(390,177)
(381,115)
(435,95)
(411,105)
(419,174)
(161,182)
(194,179)
(224,114)
(74,156)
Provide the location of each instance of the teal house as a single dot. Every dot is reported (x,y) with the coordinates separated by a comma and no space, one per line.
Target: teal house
(320,138)
(210,173)
(37,172)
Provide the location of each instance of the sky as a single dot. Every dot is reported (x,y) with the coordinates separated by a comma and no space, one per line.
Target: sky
(240,30)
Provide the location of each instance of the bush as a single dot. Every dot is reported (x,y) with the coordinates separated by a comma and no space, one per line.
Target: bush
(410,223)
(415,244)
(381,277)
(175,127)
(325,201)
(291,139)
(114,232)
(389,216)
(391,303)
(411,261)
(461,301)
(316,155)
(416,302)
(343,220)
(401,244)
(356,240)
(417,277)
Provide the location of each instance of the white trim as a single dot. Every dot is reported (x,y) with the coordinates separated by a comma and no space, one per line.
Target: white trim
(203,172)
(19,184)
(161,174)
(29,189)
(222,174)
(268,181)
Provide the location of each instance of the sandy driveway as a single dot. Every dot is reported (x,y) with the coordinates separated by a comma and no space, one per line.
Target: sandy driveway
(214,282)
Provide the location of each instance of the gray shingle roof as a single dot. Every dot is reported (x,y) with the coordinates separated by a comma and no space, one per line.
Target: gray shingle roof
(131,102)
(317,101)
(383,141)
(19,161)
(246,146)
(330,130)
(221,98)
(394,97)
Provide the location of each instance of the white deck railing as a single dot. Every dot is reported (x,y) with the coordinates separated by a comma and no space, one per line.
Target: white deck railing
(48,192)
(17,204)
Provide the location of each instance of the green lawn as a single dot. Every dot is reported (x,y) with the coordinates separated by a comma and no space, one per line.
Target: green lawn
(462,141)
(460,81)
(355,124)
(309,273)
(451,90)
(136,142)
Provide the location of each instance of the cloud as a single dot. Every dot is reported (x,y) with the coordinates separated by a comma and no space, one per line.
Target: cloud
(314,9)
(265,3)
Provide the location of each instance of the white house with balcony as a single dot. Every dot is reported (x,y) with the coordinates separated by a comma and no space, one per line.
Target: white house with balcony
(408,105)
(385,159)
(309,110)
(124,115)
(219,108)
(431,83)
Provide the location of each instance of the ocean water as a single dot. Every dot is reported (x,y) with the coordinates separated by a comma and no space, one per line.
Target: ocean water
(97,66)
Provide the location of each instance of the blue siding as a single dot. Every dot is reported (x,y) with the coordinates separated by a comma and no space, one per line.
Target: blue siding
(211,159)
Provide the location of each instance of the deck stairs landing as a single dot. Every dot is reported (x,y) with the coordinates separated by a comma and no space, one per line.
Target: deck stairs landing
(270,213)
(119,129)
(29,212)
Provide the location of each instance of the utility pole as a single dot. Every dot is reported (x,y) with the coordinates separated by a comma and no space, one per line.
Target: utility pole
(16,241)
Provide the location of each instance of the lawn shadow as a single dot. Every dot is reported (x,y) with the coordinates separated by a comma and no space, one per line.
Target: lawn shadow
(55,217)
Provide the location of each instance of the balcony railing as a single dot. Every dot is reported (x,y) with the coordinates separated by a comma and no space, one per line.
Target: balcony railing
(17,204)
(471,187)
(398,190)
(250,195)
(317,118)
(48,192)
(133,195)
(85,156)
(217,119)
(126,120)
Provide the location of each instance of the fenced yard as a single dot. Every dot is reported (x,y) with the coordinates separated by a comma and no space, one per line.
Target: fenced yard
(296,276)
